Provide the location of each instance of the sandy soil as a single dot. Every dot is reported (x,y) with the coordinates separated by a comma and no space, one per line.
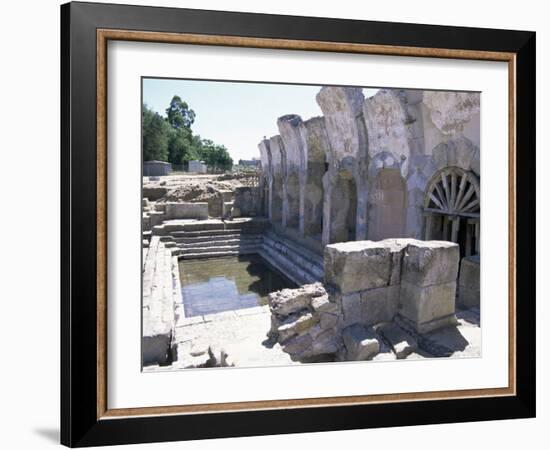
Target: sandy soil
(194,187)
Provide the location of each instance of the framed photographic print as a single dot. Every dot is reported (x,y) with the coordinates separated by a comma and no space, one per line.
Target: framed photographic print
(274,224)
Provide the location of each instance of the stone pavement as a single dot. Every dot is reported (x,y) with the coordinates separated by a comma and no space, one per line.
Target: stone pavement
(241,334)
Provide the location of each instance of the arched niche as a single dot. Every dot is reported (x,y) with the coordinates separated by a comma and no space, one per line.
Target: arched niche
(388,203)
(452,209)
(317,150)
(343,214)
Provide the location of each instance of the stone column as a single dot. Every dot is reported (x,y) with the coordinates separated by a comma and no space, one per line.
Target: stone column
(342,108)
(362,205)
(317,155)
(328,186)
(267,178)
(277,191)
(293,136)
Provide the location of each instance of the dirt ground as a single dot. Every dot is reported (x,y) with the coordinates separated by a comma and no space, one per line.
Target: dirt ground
(191,187)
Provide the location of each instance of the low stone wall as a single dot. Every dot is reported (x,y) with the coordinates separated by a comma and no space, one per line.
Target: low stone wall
(161,292)
(469,282)
(152,216)
(373,281)
(186,210)
(370,287)
(156,168)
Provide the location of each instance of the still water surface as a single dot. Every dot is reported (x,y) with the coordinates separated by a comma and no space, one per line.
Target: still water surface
(221,284)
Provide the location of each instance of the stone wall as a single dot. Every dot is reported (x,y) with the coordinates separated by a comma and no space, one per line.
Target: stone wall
(153,216)
(247,202)
(161,292)
(364,169)
(186,210)
(156,168)
(469,282)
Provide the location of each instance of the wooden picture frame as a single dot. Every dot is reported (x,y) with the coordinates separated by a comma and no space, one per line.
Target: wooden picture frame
(85,416)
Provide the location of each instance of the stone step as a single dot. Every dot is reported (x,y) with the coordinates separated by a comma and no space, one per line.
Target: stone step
(217,248)
(293,273)
(298,270)
(204,233)
(221,242)
(218,237)
(218,254)
(245,224)
(296,248)
(293,258)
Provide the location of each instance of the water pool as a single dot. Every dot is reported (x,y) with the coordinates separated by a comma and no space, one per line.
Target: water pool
(221,284)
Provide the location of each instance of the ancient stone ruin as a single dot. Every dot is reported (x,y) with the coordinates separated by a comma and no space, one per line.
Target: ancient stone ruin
(372,210)
(369,285)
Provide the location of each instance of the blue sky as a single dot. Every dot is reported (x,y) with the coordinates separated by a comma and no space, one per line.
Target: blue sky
(237,115)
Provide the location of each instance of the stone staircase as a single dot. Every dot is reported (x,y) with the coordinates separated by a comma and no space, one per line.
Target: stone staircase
(214,238)
(193,244)
(298,263)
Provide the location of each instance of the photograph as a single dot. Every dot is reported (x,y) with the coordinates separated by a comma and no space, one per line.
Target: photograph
(271,224)
(287,224)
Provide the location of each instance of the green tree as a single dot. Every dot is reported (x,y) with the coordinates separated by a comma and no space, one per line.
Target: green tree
(180,146)
(171,139)
(155,136)
(215,156)
(178,114)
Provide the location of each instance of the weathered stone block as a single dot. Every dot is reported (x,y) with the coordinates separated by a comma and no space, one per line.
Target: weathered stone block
(298,345)
(469,282)
(288,301)
(361,342)
(322,304)
(328,320)
(468,298)
(361,265)
(370,307)
(379,305)
(325,343)
(428,307)
(351,307)
(297,326)
(430,262)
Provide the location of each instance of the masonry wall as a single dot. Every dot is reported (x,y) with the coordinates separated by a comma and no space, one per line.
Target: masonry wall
(365,169)
(156,168)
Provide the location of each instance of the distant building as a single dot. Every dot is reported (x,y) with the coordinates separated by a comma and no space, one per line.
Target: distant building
(249,162)
(197,166)
(156,168)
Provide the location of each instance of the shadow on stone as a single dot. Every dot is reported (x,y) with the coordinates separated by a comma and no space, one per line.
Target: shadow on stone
(444,342)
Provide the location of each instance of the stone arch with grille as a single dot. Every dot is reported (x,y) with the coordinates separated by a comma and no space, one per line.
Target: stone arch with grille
(452,208)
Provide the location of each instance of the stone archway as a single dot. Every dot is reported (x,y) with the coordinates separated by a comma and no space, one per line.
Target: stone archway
(452,209)
(343,211)
(389,206)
